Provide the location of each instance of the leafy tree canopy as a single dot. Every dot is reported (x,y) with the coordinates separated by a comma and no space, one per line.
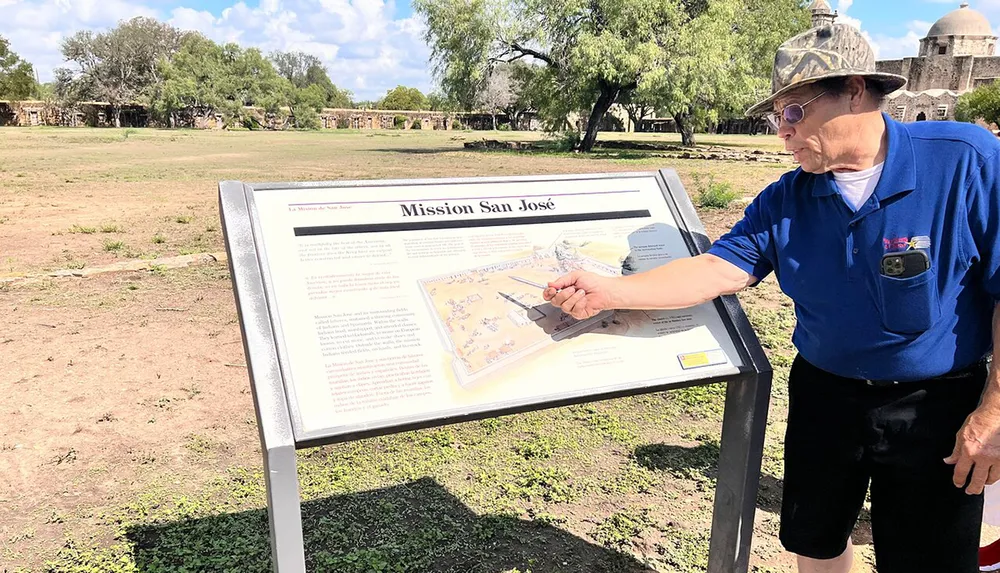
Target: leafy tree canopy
(981,103)
(120,66)
(17,77)
(685,55)
(304,70)
(404,99)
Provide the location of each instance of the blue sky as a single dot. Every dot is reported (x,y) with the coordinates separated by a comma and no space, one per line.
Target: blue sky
(369,46)
(401,10)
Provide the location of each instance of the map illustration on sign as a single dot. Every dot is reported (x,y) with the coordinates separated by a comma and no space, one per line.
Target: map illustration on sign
(494,315)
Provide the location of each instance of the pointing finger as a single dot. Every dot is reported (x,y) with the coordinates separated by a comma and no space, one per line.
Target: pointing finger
(562,296)
(565,280)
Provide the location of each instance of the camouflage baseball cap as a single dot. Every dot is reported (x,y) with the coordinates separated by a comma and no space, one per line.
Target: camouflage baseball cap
(832,51)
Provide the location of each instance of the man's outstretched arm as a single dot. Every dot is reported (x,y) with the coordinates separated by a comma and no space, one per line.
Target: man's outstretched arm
(678,284)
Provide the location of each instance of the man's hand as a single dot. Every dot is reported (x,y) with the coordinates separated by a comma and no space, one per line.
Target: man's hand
(681,283)
(977,449)
(581,294)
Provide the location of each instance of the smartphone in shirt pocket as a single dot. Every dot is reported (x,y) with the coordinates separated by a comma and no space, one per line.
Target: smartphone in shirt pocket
(908,292)
(905,264)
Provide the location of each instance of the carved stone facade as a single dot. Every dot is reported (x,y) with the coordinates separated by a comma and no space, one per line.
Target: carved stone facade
(928,105)
(956,56)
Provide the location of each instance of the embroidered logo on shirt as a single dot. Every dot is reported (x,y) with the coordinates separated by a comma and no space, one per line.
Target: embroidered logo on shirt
(906,243)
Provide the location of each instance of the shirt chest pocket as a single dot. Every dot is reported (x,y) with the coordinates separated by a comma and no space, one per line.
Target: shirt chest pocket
(909,305)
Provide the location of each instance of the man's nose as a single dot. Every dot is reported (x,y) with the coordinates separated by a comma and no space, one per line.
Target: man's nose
(785,130)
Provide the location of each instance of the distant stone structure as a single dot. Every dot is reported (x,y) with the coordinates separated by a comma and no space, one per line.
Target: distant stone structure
(95,114)
(383,119)
(100,114)
(957,56)
(822,15)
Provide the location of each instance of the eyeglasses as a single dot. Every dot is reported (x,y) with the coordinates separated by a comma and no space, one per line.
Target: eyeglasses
(790,114)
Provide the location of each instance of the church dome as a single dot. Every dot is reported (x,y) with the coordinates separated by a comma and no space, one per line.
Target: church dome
(962,22)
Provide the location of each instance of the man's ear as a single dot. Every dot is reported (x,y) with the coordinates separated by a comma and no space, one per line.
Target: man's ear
(856,91)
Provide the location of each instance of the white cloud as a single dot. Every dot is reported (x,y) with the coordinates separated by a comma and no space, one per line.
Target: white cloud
(849,20)
(906,46)
(36,28)
(844,18)
(888,47)
(363,47)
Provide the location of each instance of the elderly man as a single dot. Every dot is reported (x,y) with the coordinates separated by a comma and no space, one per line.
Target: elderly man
(886,240)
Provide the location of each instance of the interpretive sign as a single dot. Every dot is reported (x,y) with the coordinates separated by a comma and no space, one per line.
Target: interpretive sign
(379,306)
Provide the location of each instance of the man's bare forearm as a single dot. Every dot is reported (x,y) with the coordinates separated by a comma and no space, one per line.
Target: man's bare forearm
(681,283)
(991,395)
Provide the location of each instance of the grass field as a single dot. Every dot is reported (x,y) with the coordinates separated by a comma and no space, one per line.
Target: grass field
(127,431)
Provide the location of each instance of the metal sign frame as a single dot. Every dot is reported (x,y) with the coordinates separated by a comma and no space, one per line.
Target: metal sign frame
(744,419)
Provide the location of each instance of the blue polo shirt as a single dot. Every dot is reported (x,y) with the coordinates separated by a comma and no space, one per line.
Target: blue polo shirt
(940,192)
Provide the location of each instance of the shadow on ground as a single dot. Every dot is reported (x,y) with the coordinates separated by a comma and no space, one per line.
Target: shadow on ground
(702,461)
(418,150)
(543,149)
(413,527)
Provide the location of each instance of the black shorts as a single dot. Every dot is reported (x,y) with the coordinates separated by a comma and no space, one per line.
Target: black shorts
(844,434)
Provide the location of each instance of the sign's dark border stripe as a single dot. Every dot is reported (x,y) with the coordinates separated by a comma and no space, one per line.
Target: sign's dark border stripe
(466,223)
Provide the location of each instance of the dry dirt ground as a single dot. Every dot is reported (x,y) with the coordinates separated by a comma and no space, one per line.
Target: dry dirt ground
(127,431)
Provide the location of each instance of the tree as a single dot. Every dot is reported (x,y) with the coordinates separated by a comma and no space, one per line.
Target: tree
(696,58)
(638,106)
(437,101)
(304,70)
(208,78)
(505,91)
(193,80)
(981,103)
(721,63)
(404,99)
(17,77)
(305,105)
(593,51)
(497,93)
(45,92)
(120,66)
(295,66)
(522,75)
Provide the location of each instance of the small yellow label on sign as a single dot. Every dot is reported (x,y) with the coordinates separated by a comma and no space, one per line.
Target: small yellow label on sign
(694,359)
(699,359)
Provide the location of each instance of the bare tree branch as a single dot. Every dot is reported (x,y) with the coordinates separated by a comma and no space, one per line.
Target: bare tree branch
(534,54)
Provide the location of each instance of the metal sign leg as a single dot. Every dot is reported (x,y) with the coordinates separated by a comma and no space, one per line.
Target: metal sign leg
(277,441)
(743,427)
(284,513)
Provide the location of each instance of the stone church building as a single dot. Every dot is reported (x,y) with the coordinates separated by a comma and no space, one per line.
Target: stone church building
(956,56)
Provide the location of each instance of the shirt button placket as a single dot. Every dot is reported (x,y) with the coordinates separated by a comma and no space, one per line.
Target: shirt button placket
(851,250)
